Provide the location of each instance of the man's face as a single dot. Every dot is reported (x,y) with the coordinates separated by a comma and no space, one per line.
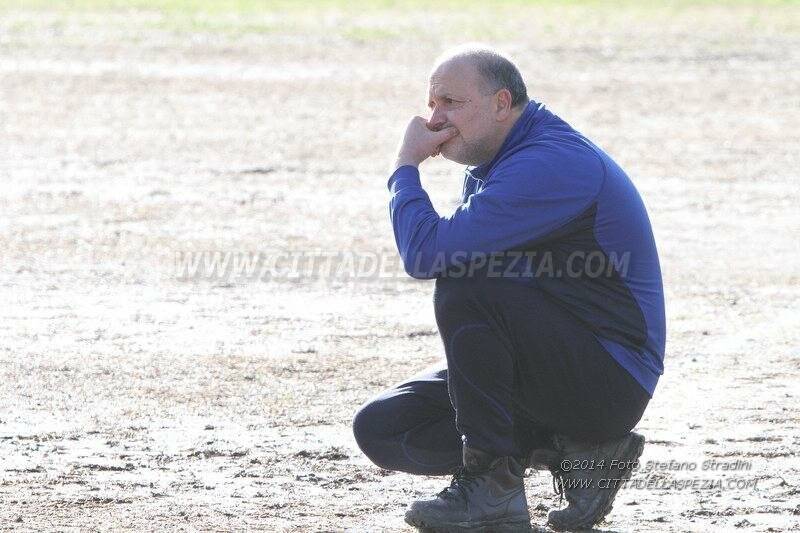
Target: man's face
(457,97)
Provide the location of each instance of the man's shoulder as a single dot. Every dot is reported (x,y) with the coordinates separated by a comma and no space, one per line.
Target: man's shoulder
(553,155)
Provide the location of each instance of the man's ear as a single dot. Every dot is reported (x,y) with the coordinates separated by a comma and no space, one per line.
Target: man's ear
(503,104)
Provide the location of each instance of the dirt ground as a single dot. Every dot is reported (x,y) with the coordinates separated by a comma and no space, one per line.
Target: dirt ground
(132,397)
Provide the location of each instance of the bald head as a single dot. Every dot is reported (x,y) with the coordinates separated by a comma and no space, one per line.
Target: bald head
(494,71)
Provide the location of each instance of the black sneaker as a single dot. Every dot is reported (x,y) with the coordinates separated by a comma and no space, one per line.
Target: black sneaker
(589,477)
(486,494)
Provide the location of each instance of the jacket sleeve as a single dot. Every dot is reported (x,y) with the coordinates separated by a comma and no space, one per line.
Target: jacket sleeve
(523,200)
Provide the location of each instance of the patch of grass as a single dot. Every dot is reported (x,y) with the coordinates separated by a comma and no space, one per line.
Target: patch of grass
(366,21)
(195,23)
(267,6)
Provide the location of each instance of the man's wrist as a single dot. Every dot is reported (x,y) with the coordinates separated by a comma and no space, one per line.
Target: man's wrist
(401,164)
(404,160)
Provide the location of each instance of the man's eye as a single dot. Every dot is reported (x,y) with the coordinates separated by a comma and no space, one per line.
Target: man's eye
(448,100)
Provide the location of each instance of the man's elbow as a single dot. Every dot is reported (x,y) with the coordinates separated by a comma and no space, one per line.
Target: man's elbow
(420,275)
(417,267)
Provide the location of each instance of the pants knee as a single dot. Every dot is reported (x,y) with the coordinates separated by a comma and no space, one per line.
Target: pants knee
(366,424)
(362,425)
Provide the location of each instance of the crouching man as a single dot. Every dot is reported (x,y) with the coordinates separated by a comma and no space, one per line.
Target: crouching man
(548,300)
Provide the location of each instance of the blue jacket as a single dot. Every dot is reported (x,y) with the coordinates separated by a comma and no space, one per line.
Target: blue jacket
(554,211)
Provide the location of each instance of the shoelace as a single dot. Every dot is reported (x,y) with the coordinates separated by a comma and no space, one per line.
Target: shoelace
(558,483)
(463,481)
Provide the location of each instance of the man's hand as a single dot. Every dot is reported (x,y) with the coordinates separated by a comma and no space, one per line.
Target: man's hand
(420,142)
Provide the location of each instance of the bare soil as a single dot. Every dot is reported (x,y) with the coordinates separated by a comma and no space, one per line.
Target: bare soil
(131,398)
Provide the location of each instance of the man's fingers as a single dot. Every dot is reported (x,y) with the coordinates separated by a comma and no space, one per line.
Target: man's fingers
(441,137)
(421,141)
(446,134)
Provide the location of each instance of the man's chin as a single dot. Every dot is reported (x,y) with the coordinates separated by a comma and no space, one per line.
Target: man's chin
(451,155)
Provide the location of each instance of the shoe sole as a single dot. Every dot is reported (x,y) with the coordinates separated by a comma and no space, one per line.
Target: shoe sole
(635,447)
(506,524)
(484,527)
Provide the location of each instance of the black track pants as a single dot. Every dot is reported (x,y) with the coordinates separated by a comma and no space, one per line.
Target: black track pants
(519,368)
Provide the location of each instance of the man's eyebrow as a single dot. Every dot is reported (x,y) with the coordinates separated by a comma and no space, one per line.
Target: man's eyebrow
(444,95)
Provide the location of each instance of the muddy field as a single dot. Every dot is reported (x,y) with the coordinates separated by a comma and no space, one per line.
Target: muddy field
(133,396)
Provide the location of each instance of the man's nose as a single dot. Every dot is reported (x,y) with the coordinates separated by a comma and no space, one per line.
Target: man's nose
(438,119)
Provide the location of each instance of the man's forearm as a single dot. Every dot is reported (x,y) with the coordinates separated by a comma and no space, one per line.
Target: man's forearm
(413,217)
